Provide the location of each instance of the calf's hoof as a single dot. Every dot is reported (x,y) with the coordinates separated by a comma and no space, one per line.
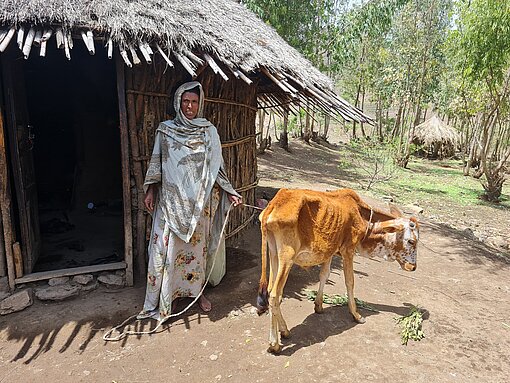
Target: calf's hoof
(360,319)
(274,349)
(318,309)
(285,334)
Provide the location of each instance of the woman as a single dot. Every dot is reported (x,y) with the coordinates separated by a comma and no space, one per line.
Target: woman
(187,194)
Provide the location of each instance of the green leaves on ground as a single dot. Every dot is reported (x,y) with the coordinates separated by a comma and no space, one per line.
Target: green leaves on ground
(410,325)
(337,300)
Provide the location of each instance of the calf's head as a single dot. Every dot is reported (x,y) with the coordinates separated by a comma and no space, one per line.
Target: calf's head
(393,240)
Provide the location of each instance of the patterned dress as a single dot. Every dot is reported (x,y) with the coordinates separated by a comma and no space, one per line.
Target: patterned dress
(176,268)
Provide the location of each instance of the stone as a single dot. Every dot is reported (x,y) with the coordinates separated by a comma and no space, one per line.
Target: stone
(89,287)
(4,295)
(58,281)
(17,302)
(413,209)
(120,273)
(4,285)
(500,241)
(84,279)
(468,232)
(57,293)
(112,281)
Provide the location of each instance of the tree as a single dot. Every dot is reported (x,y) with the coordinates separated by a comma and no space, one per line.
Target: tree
(480,46)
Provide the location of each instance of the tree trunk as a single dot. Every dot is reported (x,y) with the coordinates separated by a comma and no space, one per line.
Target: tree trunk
(284,136)
(379,113)
(306,135)
(327,120)
(396,128)
(263,141)
(362,106)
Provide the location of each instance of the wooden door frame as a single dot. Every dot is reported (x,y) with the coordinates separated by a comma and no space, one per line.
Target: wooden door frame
(126,178)
(5,201)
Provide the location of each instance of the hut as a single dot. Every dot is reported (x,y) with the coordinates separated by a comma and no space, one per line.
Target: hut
(438,139)
(83,88)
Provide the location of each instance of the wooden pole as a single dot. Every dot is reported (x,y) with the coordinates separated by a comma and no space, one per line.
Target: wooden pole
(85,39)
(138,175)
(60,38)
(126,179)
(165,57)
(215,67)
(145,53)
(42,51)
(90,44)
(3,261)
(67,48)
(21,34)
(7,39)
(125,57)
(28,43)
(46,35)
(109,44)
(5,207)
(136,60)
(18,259)
(37,38)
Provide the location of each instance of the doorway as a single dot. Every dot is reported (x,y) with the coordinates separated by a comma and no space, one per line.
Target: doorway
(75,142)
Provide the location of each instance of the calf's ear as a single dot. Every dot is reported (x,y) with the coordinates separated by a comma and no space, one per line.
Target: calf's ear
(388,227)
(395,211)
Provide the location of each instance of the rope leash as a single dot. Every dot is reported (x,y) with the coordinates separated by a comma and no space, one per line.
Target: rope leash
(428,248)
(370,224)
(253,207)
(161,321)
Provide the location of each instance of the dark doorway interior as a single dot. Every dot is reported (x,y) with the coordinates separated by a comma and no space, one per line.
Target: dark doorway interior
(73,112)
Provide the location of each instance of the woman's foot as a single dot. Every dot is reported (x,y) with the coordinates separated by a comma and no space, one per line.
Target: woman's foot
(174,305)
(154,314)
(204,303)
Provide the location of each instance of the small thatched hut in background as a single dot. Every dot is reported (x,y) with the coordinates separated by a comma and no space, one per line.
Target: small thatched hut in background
(84,85)
(439,139)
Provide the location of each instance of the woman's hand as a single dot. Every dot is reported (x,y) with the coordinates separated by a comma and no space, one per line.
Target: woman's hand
(150,198)
(235,200)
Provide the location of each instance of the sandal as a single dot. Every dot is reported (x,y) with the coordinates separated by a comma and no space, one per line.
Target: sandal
(148,314)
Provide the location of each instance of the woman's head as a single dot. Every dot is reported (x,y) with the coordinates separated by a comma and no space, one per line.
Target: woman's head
(189,101)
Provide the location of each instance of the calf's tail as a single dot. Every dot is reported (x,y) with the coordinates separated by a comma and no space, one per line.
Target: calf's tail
(263,296)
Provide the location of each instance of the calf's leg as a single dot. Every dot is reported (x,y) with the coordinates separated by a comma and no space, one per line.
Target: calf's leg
(349,284)
(324,275)
(278,325)
(273,260)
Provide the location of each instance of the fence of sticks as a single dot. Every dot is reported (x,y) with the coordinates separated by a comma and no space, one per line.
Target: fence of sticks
(230,105)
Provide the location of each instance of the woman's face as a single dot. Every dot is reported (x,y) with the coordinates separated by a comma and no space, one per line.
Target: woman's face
(189,104)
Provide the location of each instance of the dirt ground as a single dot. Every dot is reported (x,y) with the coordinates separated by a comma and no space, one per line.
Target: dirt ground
(462,284)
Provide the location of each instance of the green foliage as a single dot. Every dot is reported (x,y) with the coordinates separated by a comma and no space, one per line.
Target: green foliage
(410,325)
(304,25)
(373,160)
(337,300)
(482,39)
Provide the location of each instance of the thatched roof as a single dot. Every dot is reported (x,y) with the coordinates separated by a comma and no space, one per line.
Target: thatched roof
(434,130)
(196,33)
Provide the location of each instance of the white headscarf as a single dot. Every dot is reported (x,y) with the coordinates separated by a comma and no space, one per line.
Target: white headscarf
(186,160)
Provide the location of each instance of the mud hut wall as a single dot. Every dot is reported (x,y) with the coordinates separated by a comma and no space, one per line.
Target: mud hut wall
(149,98)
